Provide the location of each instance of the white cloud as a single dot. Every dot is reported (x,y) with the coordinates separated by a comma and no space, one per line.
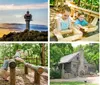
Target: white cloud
(0,19)
(21,7)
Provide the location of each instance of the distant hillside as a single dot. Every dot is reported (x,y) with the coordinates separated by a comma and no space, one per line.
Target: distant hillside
(22,27)
(26,36)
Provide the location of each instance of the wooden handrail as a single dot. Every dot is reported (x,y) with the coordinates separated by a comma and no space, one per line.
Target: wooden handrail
(95,14)
(39,69)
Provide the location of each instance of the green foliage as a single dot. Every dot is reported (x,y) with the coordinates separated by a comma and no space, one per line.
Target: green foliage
(59,50)
(91,53)
(89,4)
(52,2)
(29,51)
(26,36)
(56,52)
(70,83)
(55,74)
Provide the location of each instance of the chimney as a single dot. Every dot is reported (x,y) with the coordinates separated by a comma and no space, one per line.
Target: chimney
(81,70)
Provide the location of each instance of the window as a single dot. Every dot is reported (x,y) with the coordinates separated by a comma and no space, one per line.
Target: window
(77,58)
(74,65)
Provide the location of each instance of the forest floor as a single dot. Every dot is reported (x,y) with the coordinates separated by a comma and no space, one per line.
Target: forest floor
(92,80)
(22,79)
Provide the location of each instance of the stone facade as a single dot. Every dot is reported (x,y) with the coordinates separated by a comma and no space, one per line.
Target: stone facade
(75,66)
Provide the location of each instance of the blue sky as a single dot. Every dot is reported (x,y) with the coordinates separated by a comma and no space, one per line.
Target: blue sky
(12,11)
(18,2)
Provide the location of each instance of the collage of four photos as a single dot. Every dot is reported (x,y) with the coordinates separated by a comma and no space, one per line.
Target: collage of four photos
(49,42)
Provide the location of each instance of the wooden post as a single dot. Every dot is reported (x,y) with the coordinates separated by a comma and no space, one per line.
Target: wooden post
(38,71)
(36,61)
(12,66)
(36,78)
(62,73)
(26,69)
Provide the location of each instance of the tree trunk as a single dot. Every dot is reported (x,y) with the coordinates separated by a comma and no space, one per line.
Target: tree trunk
(78,2)
(43,55)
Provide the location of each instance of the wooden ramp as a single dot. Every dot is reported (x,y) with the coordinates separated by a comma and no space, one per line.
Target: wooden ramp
(91,38)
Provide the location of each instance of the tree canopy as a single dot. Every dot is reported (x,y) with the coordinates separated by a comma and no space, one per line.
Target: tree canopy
(91,52)
(28,50)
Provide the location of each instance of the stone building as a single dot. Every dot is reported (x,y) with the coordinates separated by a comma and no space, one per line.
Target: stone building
(74,65)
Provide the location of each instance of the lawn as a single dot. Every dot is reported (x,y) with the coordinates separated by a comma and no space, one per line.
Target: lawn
(70,83)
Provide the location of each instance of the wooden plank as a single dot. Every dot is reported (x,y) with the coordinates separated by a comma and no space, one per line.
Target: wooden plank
(90,29)
(58,35)
(91,38)
(77,34)
(94,22)
(52,34)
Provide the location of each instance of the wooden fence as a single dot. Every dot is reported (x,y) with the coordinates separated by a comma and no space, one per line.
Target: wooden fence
(35,61)
(37,69)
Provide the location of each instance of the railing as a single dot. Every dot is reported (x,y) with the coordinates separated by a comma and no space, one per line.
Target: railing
(36,61)
(86,11)
(37,69)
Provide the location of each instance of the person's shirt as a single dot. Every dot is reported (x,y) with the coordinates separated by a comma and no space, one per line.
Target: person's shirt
(5,65)
(82,23)
(63,24)
(28,17)
(17,54)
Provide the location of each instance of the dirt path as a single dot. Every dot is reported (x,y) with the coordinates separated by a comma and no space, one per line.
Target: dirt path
(93,80)
(22,79)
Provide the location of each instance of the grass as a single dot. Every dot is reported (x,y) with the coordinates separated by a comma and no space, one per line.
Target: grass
(70,83)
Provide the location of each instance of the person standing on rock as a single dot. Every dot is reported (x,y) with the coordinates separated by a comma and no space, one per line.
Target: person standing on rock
(28,18)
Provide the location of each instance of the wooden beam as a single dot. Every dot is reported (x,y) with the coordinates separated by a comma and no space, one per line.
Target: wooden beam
(91,38)
(45,68)
(39,69)
(94,14)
